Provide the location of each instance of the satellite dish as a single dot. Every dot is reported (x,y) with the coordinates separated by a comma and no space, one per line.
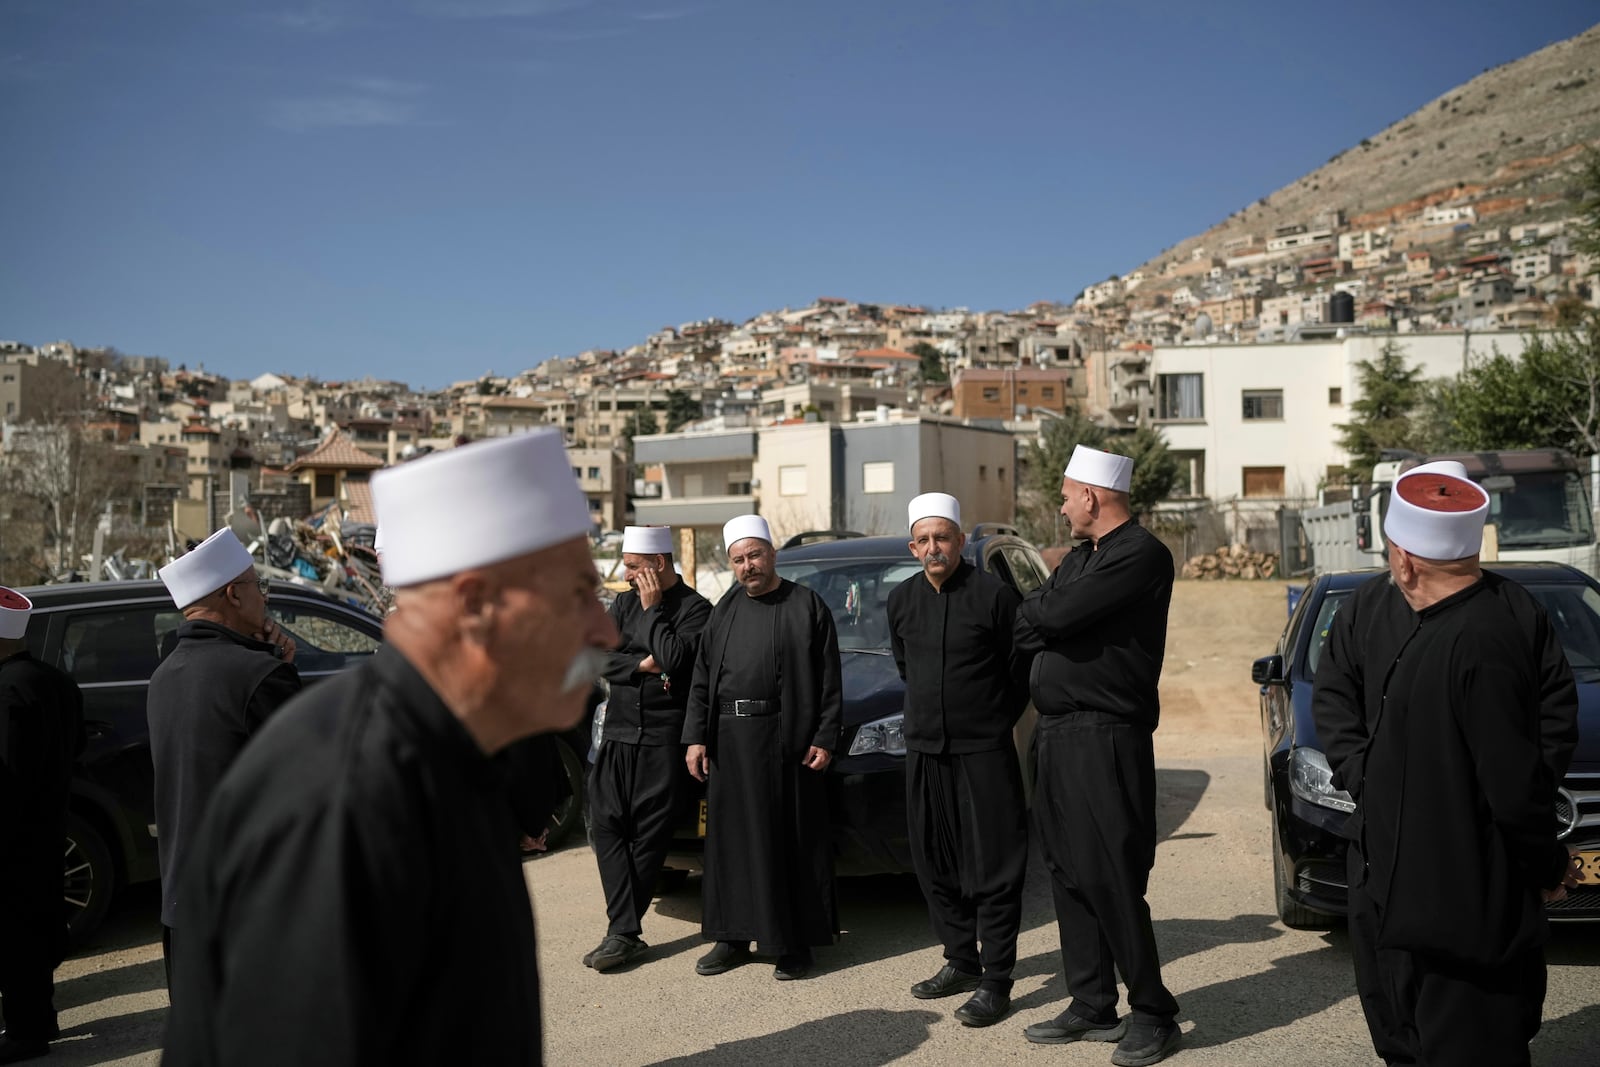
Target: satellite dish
(1202,325)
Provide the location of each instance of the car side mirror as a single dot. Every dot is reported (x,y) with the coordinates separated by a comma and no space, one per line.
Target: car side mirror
(1268,670)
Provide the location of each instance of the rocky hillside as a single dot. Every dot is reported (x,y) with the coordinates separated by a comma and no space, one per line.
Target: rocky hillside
(1507,141)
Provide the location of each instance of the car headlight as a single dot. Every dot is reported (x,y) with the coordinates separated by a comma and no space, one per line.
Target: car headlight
(1311,779)
(885,735)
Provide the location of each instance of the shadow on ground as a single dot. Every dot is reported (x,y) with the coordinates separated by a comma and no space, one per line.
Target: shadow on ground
(854,1039)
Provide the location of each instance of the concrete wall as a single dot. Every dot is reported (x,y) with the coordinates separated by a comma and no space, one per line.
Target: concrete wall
(796,457)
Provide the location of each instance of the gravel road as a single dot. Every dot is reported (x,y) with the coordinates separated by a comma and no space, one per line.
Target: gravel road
(1250,991)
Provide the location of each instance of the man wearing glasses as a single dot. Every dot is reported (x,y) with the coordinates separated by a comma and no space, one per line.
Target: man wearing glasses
(232,666)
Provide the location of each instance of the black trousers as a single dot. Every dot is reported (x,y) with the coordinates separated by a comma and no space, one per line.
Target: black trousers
(633,795)
(1425,1010)
(969,845)
(1094,805)
(33,940)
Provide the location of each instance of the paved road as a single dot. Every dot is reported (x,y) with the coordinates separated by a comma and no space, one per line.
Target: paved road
(1251,991)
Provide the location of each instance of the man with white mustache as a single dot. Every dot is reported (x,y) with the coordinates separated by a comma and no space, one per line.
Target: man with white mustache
(356,893)
(966,685)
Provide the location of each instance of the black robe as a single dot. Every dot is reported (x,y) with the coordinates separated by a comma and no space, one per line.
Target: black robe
(41,734)
(966,680)
(1100,627)
(208,697)
(769,853)
(1439,724)
(355,895)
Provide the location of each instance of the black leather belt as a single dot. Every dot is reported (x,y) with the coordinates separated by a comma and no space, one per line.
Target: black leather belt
(747,708)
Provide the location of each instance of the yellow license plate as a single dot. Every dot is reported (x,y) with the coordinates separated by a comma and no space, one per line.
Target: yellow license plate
(700,828)
(1587,863)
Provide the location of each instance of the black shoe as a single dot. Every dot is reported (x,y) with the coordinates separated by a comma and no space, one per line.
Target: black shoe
(588,957)
(617,950)
(1069,1026)
(724,956)
(947,982)
(15,1050)
(792,966)
(984,1008)
(1146,1043)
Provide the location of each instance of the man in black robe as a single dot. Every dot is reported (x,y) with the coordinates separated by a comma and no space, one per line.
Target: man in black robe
(1442,716)
(1100,623)
(762,723)
(41,734)
(356,894)
(638,773)
(230,668)
(951,631)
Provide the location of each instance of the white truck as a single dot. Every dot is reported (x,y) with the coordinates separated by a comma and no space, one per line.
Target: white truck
(1539,509)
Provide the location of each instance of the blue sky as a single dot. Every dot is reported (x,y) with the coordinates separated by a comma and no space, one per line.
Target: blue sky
(429,190)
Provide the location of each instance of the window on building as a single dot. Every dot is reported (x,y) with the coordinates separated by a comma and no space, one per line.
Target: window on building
(577,472)
(791,481)
(1263,403)
(1263,481)
(594,474)
(1047,392)
(877,477)
(991,392)
(1335,396)
(326,484)
(595,505)
(738,487)
(983,471)
(1180,396)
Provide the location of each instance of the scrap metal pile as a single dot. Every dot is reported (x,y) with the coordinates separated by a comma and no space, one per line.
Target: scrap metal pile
(340,559)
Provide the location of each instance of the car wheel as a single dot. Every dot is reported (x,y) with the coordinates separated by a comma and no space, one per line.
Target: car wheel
(1294,915)
(568,813)
(88,878)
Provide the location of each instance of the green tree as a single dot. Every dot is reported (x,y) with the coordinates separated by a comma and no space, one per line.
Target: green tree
(932,366)
(681,409)
(1549,398)
(1155,471)
(1390,394)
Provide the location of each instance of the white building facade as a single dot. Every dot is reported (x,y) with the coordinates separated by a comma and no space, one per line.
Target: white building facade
(1261,420)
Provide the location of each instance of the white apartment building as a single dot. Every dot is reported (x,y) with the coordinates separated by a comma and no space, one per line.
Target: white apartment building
(1261,421)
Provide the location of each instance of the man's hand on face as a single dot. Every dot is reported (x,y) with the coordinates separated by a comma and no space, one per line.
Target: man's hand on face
(649,586)
(275,635)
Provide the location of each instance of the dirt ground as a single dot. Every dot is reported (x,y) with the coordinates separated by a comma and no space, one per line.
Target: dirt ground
(1214,630)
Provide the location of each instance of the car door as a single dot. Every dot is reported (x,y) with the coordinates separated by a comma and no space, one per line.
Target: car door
(328,637)
(111,651)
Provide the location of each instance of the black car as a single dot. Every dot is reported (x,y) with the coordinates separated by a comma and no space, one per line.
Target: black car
(853,575)
(109,636)
(1308,814)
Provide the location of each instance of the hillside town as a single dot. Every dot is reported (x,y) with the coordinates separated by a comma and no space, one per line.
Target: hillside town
(826,416)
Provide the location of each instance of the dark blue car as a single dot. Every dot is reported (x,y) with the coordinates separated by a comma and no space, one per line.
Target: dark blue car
(867,781)
(1308,853)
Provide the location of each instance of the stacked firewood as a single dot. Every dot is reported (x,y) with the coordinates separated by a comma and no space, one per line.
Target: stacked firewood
(1231,561)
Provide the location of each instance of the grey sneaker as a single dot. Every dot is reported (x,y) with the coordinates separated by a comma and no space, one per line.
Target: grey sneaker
(1068,1027)
(1146,1043)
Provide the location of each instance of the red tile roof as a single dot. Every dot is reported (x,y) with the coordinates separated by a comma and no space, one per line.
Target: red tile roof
(336,452)
(886,353)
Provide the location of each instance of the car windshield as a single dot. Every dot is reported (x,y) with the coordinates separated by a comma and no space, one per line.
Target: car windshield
(857,592)
(1574,611)
(1541,509)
